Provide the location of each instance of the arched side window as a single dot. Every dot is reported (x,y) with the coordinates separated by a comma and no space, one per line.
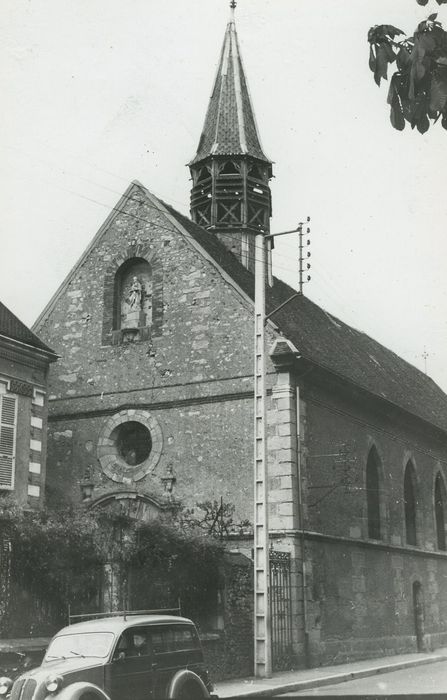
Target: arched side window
(133,297)
(410,504)
(373,494)
(440,503)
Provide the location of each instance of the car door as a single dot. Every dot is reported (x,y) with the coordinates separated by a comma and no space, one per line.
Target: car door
(130,672)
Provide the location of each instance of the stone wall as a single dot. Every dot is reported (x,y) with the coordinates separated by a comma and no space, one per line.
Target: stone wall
(229,652)
(360,597)
(361,602)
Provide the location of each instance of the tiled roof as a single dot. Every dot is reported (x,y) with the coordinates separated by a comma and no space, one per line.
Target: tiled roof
(12,327)
(230,126)
(330,343)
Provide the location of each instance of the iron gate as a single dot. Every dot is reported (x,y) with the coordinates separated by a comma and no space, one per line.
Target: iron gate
(281,611)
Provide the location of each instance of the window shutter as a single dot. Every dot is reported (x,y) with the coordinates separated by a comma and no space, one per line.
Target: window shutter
(8,414)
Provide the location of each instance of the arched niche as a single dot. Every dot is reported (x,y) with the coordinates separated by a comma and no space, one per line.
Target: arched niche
(133,295)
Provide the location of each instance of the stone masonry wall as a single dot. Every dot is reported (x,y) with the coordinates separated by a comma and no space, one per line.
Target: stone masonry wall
(359,591)
(194,375)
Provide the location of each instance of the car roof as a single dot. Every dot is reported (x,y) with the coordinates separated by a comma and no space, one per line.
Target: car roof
(119,623)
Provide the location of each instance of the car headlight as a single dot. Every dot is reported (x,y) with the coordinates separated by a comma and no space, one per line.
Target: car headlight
(53,683)
(5,685)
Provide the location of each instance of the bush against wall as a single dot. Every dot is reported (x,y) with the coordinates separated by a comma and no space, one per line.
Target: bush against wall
(57,559)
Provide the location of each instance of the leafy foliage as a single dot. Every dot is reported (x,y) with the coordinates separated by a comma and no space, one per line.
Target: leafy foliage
(215,518)
(58,556)
(418,87)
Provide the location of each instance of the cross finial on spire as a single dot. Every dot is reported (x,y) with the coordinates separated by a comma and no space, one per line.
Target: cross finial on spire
(232,7)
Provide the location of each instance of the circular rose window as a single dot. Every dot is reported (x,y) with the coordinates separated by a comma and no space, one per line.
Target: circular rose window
(133,442)
(130,445)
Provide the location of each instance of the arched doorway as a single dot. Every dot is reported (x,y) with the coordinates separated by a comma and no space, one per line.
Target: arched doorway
(418,610)
(121,585)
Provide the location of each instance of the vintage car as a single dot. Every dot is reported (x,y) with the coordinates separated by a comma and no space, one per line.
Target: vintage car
(128,657)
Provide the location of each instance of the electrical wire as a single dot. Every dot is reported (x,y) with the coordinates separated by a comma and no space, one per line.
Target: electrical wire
(119,194)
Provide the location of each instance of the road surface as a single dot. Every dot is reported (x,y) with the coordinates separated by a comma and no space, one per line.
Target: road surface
(427,679)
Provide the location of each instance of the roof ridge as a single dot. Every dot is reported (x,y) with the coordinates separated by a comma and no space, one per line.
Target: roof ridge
(13,328)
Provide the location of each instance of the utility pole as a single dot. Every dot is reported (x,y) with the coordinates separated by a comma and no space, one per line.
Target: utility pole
(262,631)
(262,613)
(301,247)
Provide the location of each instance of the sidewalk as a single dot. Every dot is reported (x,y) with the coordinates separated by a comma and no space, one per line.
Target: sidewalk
(289,681)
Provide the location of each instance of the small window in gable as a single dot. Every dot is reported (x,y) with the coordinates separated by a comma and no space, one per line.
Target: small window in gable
(8,429)
(133,296)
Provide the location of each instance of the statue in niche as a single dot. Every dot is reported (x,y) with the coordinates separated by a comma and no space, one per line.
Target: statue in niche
(135,294)
(135,310)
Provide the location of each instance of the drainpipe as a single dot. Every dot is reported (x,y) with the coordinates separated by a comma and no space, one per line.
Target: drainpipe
(301,528)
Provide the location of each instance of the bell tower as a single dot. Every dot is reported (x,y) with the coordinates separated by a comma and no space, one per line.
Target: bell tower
(230,194)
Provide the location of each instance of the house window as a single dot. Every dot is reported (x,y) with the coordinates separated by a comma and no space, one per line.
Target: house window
(8,426)
(410,504)
(133,295)
(373,494)
(440,498)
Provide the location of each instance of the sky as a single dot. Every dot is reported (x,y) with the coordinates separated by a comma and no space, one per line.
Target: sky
(97,93)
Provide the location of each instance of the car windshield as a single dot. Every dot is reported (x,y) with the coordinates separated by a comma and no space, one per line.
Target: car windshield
(67,646)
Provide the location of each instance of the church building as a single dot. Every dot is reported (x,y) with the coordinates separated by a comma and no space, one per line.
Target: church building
(152,400)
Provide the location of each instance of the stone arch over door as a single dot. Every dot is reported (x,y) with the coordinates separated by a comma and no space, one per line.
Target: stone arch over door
(132,504)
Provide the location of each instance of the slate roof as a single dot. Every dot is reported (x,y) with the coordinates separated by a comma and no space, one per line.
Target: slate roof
(320,337)
(230,125)
(12,327)
(332,344)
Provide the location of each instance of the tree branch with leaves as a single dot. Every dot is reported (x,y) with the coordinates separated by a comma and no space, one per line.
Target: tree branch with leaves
(418,87)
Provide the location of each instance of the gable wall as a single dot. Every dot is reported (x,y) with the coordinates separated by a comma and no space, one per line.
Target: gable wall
(194,376)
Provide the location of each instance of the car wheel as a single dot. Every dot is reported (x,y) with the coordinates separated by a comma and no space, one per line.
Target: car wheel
(190,691)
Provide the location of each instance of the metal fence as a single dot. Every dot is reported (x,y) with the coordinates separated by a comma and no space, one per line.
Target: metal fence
(281,610)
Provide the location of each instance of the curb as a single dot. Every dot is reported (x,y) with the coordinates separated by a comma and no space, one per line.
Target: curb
(332,679)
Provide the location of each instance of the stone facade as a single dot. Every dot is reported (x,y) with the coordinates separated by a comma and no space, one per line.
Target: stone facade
(187,377)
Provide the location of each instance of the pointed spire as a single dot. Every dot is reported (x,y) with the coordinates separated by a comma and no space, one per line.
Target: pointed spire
(230,125)
(230,194)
